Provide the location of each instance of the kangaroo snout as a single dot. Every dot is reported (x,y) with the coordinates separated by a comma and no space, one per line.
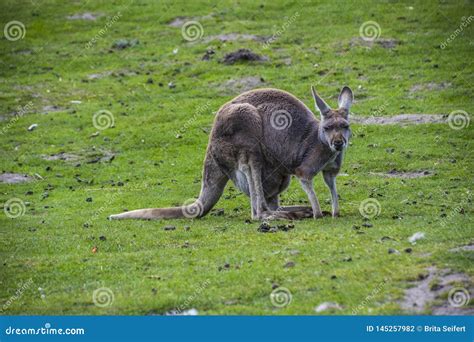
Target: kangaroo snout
(339,144)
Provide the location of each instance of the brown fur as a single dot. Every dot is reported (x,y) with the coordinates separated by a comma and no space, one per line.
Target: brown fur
(250,146)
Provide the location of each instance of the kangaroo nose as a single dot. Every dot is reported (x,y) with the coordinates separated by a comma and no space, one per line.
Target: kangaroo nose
(338,144)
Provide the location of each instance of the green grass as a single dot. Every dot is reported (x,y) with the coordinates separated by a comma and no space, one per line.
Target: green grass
(151,270)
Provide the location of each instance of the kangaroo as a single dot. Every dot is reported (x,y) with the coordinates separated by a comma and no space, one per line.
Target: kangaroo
(259,140)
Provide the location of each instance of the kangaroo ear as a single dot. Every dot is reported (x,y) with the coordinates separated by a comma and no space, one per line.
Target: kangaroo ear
(345,99)
(321,106)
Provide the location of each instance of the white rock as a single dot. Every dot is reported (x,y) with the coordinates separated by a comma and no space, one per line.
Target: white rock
(415,237)
(326,306)
(32,127)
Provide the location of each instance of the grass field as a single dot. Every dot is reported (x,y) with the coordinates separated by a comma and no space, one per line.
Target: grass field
(59,252)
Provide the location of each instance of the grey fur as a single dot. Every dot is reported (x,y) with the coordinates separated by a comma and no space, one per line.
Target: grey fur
(261,138)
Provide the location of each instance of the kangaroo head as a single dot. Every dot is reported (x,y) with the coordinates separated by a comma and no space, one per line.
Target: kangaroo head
(334,128)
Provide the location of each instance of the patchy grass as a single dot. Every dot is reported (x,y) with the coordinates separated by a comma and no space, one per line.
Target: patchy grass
(63,247)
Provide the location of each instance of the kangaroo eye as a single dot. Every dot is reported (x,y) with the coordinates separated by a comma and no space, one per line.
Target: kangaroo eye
(327,128)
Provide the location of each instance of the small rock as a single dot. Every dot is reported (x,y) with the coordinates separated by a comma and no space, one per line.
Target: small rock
(32,127)
(169,227)
(171,85)
(289,264)
(415,237)
(208,55)
(89,199)
(408,250)
(393,251)
(124,43)
(367,224)
(102,238)
(327,306)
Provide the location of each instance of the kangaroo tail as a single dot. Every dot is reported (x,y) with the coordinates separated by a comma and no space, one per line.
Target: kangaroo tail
(213,184)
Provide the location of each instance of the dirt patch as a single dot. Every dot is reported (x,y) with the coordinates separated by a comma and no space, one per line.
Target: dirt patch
(14,178)
(431,291)
(230,37)
(121,44)
(402,174)
(99,75)
(118,73)
(84,16)
(180,20)
(89,157)
(62,156)
(386,43)
(242,84)
(51,109)
(243,55)
(402,119)
(429,87)
(467,248)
